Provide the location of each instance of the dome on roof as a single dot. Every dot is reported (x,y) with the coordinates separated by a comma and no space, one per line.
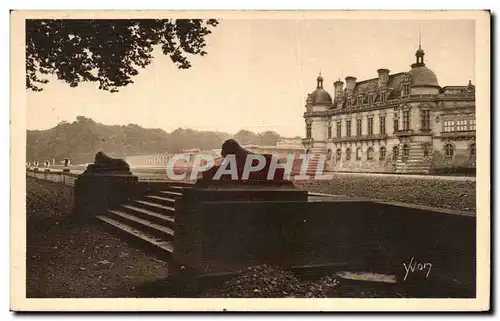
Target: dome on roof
(423,76)
(321,96)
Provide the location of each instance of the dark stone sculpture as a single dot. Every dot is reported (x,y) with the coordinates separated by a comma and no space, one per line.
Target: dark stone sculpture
(231,147)
(104,164)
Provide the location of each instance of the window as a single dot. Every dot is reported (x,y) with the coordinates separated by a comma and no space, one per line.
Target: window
(449,126)
(382,97)
(329,154)
(329,130)
(370,98)
(406,89)
(427,150)
(406,152)
(461,125)
(370,126)
(396,123)
(358,153)
(338,155)
(448,152)
(358,127)
(472,151)
(426,120)
(383,153)
(339,128)
(472,124)
(395,152)
(308,130)
(348,128)
(348,154)
(349,102)
(369,153)
(406,120)
(360,101)
(382,125)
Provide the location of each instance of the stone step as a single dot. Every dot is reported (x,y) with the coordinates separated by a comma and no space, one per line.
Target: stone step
(152,228)
(178,188)
(163,247)
(415,165)
(412,164)
(161,200)
(162,219)
(171,194)
(155,207)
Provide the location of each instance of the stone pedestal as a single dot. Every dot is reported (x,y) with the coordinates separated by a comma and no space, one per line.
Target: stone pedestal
(223,227)
(105,184)
(94,194)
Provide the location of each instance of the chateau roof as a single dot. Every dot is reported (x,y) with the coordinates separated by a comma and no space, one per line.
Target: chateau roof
(370,85)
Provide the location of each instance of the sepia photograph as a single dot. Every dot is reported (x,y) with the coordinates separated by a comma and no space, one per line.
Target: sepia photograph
(160,158)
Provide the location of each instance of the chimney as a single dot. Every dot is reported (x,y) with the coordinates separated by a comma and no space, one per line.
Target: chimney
(383,77)
(350,84)
(339,86)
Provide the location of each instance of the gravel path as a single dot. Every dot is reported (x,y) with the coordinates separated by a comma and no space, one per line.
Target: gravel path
(67,258)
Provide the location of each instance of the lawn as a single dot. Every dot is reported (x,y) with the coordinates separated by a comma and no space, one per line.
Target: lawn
(450,194)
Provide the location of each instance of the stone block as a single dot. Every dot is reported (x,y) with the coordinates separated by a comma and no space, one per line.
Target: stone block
(95,194)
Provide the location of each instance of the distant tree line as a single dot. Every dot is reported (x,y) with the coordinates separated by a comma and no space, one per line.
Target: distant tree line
(81,139)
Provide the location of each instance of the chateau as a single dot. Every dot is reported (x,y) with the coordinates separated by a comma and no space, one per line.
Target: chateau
(403,122)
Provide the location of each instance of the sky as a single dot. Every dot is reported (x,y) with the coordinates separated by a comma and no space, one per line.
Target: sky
(257,74)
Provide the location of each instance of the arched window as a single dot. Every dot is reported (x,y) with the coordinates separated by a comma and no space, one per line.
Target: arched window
(472,151)
(339,154)
(427,150)
(358,153)
(348,154)
(406,152)
(448,151)
(369,153)
(395,152)
(383,153)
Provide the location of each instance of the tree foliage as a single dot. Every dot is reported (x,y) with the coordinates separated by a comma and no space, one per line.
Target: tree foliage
(108,52)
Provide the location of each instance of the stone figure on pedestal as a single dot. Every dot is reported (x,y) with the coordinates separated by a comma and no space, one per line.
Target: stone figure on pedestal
(231,147)
(106,164)
(66,163)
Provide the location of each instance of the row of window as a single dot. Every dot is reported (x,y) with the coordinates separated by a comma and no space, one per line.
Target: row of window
(459,125)
(369,154)
(382,128)
(449,151)
(371,98)
(448,148)
(449,125)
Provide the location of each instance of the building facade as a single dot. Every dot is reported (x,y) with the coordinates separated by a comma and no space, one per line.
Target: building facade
(403,122)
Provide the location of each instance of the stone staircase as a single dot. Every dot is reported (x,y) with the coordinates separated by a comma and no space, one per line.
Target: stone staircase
(312,166)
(416,163)
(149,220)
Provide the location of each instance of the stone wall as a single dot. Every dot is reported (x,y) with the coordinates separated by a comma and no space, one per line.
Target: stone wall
(461,154)
(53,176)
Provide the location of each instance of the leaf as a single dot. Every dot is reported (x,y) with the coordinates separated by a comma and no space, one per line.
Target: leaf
(107,51)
